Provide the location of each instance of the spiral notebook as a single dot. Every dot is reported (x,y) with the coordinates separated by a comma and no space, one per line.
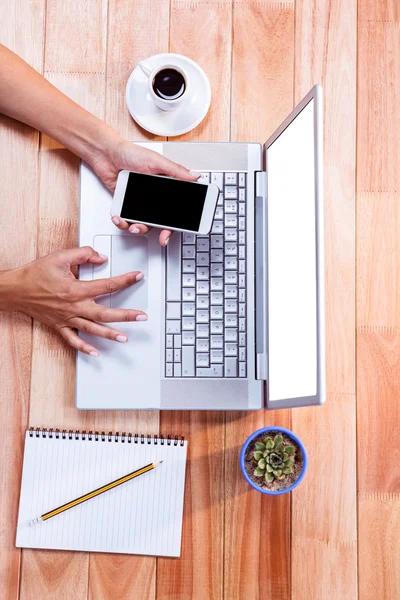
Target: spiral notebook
(142,516)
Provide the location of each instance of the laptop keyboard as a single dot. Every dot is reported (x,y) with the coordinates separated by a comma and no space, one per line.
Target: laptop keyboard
(206,298)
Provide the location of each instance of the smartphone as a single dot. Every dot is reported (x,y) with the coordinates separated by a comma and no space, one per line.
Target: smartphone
(164,202)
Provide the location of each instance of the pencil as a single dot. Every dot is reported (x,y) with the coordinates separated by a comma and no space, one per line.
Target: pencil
(94,493)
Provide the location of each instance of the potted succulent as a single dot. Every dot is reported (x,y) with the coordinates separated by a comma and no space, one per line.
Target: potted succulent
(273,460)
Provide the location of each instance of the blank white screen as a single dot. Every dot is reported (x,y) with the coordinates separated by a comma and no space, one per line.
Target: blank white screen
(292,288)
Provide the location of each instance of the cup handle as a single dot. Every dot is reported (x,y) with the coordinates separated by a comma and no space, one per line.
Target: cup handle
(145,68)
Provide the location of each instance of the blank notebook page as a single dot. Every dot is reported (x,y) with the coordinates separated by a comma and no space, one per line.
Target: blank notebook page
(142,516)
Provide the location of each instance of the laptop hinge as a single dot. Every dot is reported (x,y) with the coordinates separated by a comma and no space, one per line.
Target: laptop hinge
(261,249)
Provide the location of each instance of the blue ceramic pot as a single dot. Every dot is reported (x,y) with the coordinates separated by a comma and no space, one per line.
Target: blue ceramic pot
(265,431)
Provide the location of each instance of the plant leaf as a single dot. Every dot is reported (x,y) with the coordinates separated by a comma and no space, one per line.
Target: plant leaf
(288,470)
(289,462)
(289,450)
(278,440)
(257,455)
(259,472)
(269,442)
(269,477)
(279,448)
(281,477)
(260,446)
(269,469)
(262,464)
(277,472)
(285,456)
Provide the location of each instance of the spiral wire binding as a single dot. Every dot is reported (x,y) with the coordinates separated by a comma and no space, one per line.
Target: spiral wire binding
(106,437)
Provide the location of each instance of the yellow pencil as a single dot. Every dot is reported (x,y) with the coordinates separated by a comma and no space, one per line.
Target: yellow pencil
(89,495)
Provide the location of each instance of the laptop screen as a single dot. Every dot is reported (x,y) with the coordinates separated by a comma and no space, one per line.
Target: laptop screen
(292,264)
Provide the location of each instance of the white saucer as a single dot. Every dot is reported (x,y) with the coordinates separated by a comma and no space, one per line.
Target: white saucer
(160,122)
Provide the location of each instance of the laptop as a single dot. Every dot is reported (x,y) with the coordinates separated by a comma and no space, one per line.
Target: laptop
(235,318)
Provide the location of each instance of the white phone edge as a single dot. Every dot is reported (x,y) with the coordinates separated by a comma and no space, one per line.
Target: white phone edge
(207,216)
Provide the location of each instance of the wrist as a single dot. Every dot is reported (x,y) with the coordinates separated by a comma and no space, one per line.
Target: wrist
(96,142)
(9,290)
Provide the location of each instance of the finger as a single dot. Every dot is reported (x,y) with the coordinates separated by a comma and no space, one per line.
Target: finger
(100,330)
(98,287)
(79,256)
(139,228)
(113,315)
(76,342)
(172,169)
(120,223)
(164,237)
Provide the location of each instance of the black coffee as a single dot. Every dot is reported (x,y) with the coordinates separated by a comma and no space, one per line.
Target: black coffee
(169,84)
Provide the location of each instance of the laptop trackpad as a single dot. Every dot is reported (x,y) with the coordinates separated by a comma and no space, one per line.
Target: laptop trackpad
(130,253)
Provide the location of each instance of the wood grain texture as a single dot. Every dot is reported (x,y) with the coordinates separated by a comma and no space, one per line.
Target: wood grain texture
(324,532)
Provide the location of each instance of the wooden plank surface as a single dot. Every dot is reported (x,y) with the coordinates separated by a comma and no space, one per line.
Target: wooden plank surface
(324,513)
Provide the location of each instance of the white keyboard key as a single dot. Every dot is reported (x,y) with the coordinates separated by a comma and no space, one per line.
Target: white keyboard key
(173,310)
(217,298)
(218,179)
(231,367)
(217,270)
(170,341)
(230,349)
(188,338)
(204,178)
(217,356)
(242,281)
(202,331)
(177,356)
(231,291)
(177,370)
(217,312)
(203,302)
(173,326)
(231,263)
(203,345)
(217,341)
(242,369)
(202,316)
(231,220)
(242,309)
(242,325)
(188,361)
(242,339)
(242,179)
(219,213)
(214,371)
(177,341)
(203,259)
(242,251)
(188,324)
(217,327)
(230,178)
(231,335)
(230,192)
(188,238)
(203,273)
(242,195)
(230,306)
(231,277)
(188,280)
(242,295)
(242,266)
(242,222)
(217,255)
(188,309)
(202,360)
(188,294)
(231,207)
(242,209)
(203,287)
(173,274)
(189,266)
(230,320)
(231,249)
(231,235)
(218,227)
(242,237)
(203,244)
(217,284)
(169,369)
(170,355)
(187,251)
(217,241)
(242,354)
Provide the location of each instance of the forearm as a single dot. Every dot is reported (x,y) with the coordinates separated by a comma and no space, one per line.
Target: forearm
(26,96)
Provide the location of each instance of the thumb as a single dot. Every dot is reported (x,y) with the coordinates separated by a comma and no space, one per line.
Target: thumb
(172,169)
(85,254)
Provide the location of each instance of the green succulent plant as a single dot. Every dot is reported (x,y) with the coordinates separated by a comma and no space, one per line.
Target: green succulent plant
(273,458)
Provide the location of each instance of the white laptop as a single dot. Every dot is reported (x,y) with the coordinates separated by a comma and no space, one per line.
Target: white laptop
(251,329)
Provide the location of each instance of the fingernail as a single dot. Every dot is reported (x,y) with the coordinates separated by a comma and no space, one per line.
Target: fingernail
(121,338)
(139,276)
(134,230)
(195,174)
(141,318)
(103,255)
(94,353)
(115,220)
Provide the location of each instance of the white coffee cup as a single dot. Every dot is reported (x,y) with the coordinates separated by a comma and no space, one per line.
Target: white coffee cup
(167,104)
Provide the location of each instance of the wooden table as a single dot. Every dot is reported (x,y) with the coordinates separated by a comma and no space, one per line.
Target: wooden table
(331,539)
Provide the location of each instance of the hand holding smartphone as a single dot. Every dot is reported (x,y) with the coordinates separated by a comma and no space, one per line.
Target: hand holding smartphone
(163,202)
